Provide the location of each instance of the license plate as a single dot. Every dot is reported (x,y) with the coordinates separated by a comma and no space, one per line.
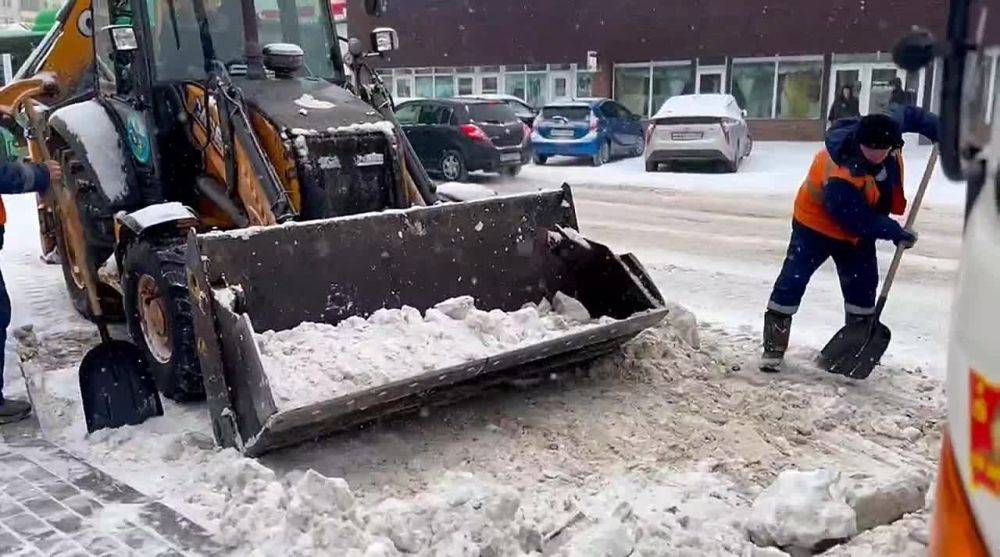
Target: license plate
(685,136)
(371,159)
(563,133)
(508,157)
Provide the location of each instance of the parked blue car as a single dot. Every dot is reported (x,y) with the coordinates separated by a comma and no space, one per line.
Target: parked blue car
(597,129)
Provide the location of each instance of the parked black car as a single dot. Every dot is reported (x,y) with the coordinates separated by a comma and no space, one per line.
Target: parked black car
(456,136)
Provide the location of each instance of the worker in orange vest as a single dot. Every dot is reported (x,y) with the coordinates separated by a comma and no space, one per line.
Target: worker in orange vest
(841,209)
(18,177)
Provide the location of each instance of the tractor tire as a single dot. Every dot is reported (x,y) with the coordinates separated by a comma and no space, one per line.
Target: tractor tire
(97,227)
(159,315)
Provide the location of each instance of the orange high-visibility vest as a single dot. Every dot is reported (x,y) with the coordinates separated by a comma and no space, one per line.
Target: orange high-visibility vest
(809,208)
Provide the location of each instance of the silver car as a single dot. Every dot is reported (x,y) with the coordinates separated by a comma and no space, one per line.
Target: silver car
(702,128)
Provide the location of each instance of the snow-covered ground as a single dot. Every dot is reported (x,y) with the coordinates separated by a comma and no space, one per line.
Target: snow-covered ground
(716,241)
(661,449)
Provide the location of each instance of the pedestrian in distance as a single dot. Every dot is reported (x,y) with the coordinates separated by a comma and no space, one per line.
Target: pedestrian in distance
(845,106)
(854,183)
(18,177)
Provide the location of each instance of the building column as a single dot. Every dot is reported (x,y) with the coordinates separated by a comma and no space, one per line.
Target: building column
(602,86)
(824,94)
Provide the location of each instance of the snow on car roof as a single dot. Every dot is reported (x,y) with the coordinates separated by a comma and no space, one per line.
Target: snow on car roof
(698,105)
(587,101)
(491,96)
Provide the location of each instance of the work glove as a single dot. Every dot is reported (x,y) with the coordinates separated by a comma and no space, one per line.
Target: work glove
(907,239)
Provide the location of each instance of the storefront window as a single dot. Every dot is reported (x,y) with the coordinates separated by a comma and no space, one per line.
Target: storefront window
(632,88)
(536,90)
(514,85)
(584,84)
(465,85)
(753,88)
(404,88)
(424,84)
(489,84)
(444,86)
(799,85)
(670,81)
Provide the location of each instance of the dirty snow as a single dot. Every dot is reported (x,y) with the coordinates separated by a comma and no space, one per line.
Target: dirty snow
(678,424)
(314,362)
(90,123)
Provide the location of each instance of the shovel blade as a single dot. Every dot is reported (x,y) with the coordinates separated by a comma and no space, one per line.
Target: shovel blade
(855,350)
(116,387)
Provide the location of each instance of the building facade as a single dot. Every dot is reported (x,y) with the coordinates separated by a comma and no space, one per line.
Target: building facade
(10,12)
(783,61)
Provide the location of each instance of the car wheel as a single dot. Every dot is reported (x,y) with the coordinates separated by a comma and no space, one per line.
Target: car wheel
(453,167)
(603,154)
(510,171)
(640,147)
(539,159)
(652,166)
(732,166)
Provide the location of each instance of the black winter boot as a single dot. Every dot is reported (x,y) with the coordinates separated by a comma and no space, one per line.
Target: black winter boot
(777,329)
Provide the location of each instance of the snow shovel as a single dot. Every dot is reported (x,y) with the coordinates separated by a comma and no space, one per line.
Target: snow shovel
(116,387)
(856,349)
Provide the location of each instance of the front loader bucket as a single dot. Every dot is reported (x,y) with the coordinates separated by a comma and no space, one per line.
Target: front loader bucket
(503,251)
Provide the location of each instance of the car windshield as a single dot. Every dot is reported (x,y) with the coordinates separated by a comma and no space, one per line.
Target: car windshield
(178,47)
(567,112)
(491,113)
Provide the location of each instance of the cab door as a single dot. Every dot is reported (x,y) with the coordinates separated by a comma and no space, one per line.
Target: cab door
(123,88)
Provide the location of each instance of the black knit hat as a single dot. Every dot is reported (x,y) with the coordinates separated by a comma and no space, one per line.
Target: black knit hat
(879,131)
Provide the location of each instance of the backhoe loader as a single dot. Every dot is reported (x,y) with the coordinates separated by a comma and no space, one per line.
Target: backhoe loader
(225,176)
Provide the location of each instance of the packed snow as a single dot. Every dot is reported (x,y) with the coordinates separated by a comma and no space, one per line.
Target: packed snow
(314,362)
(660,448)
(91,125)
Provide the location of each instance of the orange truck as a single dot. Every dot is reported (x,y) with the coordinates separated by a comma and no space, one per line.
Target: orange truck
(966,519)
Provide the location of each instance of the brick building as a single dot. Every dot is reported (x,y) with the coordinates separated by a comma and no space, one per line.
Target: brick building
(782,60)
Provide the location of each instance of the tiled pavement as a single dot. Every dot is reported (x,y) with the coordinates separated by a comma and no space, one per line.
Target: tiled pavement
(52,503)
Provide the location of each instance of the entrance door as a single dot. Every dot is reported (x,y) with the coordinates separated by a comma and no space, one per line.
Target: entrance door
(561,85)
(852,76)
(872,84)
(880,87)
(710,79)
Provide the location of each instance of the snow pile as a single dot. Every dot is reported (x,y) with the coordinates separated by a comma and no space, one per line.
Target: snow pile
(690,513)
(802,509)
(907,536)
(314,362)
(317,515)
(91,125)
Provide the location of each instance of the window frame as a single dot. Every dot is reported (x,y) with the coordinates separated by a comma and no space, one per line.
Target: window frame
(775,61)
(650,109)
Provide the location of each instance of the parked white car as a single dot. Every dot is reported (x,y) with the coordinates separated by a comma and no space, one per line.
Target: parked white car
(702,128)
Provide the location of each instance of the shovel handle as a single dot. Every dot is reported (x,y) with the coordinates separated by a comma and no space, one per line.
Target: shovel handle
(62,196)
(910,219)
